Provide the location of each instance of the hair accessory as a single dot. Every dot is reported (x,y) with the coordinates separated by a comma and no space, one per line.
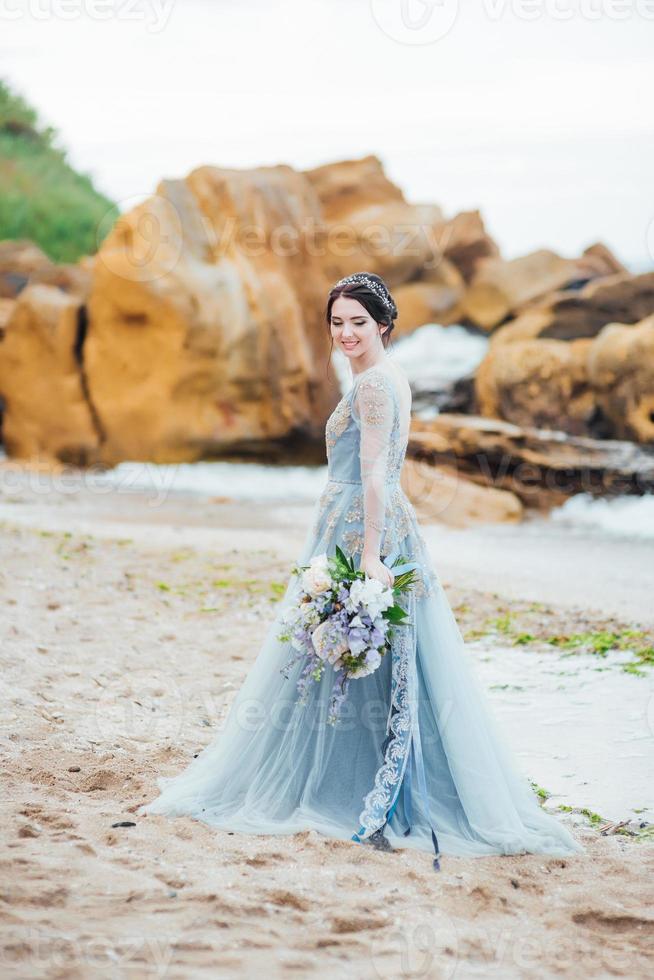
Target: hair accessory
(371,284)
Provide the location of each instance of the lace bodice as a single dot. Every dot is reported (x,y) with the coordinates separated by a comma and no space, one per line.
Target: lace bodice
(366,423)
(363,504)
(366,441)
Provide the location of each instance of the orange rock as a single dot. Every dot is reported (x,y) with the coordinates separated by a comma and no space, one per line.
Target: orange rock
(621,372)
(206,330)
(369,225)
(19,259)
(47,413)
(440,493)
(435,298)
(541,383)
(600,260)
(464,240)
(499,288)
(584,312)
(540,466)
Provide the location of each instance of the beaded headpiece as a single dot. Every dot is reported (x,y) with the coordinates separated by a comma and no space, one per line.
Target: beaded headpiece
(378,290)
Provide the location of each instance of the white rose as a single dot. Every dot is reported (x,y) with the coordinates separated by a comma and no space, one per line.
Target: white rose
(317,577)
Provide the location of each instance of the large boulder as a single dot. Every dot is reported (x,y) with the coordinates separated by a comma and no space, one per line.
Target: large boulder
(20,259)
(499,288)
(621,372)
(23,263)
(47,412)
(434,298)
(368,224)
(441,494)
(541,383)
(598,260)
(7,307)
(200,325)
(598,383)
(619,298)
(464,240)
(206,330)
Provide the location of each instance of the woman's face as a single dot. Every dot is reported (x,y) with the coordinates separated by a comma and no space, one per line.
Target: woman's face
(354,330)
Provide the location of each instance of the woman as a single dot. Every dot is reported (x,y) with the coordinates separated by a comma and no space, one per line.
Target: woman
(413,760)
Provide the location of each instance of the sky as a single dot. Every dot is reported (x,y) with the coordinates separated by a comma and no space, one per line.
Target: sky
(537,112)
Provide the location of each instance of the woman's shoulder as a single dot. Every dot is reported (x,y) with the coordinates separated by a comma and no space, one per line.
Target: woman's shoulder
(383,376)
(375,394)
(373,386)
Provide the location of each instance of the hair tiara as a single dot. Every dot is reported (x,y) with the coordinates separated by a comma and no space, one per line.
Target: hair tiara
(378,290)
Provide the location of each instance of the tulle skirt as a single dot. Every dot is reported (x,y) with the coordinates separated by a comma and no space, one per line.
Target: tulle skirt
(279,767)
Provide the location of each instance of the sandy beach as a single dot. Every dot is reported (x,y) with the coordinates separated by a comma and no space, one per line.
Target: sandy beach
(126,630)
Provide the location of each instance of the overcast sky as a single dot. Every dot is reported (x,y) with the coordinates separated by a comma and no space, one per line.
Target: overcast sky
(540,114)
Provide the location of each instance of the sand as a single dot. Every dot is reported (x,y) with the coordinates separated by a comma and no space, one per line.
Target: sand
(125,633)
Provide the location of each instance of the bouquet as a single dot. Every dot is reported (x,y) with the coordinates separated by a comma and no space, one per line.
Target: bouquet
(342,618)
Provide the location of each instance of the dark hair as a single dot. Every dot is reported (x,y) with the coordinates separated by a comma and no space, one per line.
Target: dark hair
(373,303)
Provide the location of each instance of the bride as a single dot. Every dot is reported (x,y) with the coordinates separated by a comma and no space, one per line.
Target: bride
(414,760)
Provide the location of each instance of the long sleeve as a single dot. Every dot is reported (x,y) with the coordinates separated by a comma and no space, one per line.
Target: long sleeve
(374,413)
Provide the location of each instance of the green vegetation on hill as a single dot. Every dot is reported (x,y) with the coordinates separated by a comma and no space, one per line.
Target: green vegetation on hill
(41,196)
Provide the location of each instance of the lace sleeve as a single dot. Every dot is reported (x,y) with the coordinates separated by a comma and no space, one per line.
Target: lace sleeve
(374,415)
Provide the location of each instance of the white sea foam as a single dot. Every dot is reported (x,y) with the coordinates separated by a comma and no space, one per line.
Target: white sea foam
(628,515)
(239,481)
(440,354)
(431,354)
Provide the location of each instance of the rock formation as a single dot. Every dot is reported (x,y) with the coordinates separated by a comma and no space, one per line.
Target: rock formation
(47,410)
(621,374)
(567,315)
(202,311)
(205,341)
(499,288)
(434,298)
(600,386)
(440,493)
(197,330)
(538,383)
(540,466)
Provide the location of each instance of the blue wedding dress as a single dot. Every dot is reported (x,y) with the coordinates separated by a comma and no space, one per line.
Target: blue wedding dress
(414,760)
